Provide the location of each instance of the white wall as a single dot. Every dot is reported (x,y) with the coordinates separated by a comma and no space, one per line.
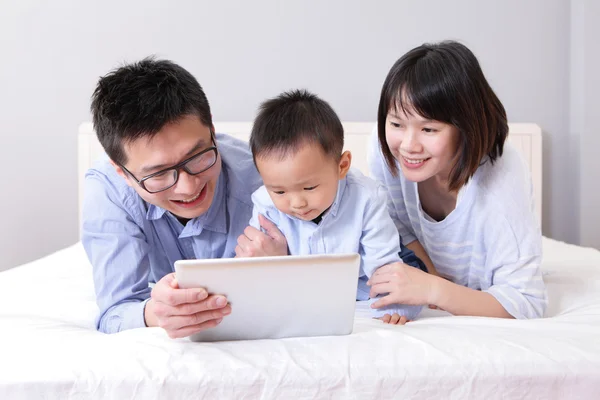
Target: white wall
(244,51)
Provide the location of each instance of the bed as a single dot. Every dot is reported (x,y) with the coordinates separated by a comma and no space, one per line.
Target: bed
(50,349)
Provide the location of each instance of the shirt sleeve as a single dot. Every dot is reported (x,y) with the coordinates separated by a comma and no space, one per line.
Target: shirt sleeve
(379,242)
(263,205)
(379,171)
(118,251)
(380,245)
(516,275)
(254,220)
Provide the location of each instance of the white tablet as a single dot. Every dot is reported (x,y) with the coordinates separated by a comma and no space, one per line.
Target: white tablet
(277,297)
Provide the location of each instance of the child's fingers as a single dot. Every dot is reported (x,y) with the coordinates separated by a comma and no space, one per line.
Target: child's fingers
(394,319)
(385,319)
(270,228)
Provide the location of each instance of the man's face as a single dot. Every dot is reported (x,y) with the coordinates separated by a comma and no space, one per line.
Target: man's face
(192,195)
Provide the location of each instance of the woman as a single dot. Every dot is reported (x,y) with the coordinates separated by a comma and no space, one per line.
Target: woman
(460,196)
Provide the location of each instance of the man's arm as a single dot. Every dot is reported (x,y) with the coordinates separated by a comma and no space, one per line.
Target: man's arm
(118,252)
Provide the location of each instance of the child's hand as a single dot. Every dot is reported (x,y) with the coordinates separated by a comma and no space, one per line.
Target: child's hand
(394,319)
(404,285)
(255,243)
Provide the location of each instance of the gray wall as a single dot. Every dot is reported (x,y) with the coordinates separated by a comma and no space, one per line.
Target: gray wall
(585,107)
(245,51)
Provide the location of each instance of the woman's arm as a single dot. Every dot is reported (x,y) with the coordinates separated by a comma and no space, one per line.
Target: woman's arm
(408,285)
(461,300)
(516,291)
(420,252)
(457,299)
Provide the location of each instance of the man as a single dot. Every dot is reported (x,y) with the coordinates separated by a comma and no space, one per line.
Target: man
(171,189)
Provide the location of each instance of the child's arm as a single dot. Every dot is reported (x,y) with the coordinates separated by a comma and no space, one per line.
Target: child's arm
(380,173)
(380,245)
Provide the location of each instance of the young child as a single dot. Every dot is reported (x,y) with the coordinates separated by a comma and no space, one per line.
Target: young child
(311,194)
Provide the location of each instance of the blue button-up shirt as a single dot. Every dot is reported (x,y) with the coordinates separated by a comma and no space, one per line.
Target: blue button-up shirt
(357,222)
(131,243)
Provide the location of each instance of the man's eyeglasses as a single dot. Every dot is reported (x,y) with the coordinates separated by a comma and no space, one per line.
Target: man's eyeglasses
(167,178)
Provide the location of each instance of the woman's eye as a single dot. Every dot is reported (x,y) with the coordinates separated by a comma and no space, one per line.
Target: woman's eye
(395,124)
(310,188)
(429,130)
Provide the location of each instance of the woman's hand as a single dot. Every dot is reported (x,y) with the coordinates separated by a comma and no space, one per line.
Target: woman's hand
(404,285)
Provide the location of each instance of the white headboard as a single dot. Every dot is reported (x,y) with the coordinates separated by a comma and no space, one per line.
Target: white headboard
(527,138)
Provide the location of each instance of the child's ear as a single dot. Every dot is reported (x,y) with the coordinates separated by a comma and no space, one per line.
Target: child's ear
(120,171)
(345,162)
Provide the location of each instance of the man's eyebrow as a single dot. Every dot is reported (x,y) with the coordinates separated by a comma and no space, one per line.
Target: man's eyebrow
(150,168)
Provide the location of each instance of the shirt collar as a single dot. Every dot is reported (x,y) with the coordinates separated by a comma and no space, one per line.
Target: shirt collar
(215,219)
(338,197)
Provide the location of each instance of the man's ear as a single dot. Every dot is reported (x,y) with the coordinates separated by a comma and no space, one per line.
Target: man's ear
(120,171)
(345,162)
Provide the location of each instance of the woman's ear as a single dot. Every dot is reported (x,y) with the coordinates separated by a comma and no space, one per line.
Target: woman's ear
(345,162)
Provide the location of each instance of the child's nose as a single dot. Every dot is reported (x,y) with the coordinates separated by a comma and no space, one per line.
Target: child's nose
(298,202)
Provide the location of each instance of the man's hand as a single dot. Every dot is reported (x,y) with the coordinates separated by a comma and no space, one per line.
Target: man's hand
(183,312)
(254,243)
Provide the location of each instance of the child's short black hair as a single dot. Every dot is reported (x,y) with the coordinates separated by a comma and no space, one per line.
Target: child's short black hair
(444,82)
(137,100)
(291,120)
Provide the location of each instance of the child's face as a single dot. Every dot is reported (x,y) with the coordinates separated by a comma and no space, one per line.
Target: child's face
(303,184)
(425,149)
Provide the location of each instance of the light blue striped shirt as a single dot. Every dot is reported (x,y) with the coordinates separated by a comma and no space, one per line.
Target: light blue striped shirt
(492,239)
(131,243)
(356,222)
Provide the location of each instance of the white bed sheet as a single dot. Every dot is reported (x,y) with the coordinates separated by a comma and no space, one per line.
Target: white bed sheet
(49,348)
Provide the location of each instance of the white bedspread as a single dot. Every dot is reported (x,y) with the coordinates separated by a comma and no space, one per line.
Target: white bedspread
(49,348)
